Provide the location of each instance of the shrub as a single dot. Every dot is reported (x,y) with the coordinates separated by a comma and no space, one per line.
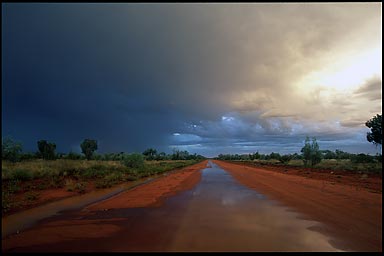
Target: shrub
(285,159)
(131,178)
(134,160)
(103,184)
(96,171)
(113,177)
(80,187)
(21,174)
(363,158)
(11,150)
(55,182)
(73,156)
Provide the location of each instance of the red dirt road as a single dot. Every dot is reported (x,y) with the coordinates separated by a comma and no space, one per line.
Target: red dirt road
(349,213)
(353,217)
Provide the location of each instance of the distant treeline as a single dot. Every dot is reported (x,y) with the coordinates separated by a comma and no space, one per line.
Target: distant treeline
(176,155)
(325,154)
(12,151)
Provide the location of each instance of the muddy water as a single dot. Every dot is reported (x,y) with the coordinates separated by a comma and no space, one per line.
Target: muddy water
(20,221)
(219,214)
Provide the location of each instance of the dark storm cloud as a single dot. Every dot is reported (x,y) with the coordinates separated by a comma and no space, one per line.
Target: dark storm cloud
(133,75)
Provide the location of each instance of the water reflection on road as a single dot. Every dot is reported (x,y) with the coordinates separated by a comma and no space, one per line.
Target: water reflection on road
(218,214)
(223,215)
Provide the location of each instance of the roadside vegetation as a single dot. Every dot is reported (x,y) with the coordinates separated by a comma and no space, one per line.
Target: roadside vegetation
(312,156)
(31,173)
(345,161)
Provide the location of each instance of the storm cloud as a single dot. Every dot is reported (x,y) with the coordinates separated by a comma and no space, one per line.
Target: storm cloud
(208,78)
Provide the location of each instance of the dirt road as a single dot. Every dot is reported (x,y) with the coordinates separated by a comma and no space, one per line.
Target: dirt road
(232,208)
(351,213)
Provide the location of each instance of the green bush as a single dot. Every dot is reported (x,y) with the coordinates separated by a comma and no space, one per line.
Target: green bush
(103,184)
(96,171)
(363,158)
(131,178)
(80,187)
(113,177)
(21,174)
(134,160)
(11,150)
(285,159)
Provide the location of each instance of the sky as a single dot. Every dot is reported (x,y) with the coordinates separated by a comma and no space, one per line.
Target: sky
(206,78)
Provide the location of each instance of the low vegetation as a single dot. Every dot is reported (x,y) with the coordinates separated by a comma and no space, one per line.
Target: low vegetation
(75,175)
(312,156)
(348,162)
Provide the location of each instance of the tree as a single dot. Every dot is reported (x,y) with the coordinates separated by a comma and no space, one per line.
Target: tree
(376,134)
(285,159)
(88,146)
(179,155)
(46,150)
(275,156)
(328,154)
(315,153)
(150,153)
(306,150)
(311,152)
(161,156)
(11,150)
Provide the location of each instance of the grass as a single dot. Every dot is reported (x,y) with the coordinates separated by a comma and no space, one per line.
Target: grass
(62,169)
(343,165)
(73,175)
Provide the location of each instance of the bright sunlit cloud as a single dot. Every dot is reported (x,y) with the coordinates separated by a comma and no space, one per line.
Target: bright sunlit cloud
(347,74)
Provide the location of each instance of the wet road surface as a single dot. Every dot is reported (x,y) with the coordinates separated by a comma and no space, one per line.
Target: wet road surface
(218,214)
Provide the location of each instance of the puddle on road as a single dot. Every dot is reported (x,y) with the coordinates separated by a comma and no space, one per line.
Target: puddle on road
(223,215)
(25,219)
(219,214)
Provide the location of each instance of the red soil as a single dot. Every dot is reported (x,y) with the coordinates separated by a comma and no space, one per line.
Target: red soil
(42,196)
(349,211)
(152,194)
(371,182)
(146,195)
